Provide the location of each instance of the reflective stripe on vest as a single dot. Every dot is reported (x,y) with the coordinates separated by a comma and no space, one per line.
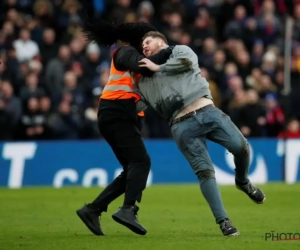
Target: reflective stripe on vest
(117,87)
(120,86)
(115,77)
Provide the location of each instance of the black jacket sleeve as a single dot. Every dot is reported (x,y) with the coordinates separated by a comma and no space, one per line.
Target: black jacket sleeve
(162,56)
(127,58)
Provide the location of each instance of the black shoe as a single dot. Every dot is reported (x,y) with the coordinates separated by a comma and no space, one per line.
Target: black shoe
(228,229)
(254,193)
(127,216)
(90,218)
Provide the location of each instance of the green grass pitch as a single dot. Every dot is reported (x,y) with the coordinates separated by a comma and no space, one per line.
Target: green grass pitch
(177,217)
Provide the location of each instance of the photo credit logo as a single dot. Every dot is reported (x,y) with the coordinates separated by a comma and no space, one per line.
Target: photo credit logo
(273,236)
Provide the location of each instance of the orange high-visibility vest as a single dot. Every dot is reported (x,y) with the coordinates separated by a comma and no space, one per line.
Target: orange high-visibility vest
(120,86)
(141,114)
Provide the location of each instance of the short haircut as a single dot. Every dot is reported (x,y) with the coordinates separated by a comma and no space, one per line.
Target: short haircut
(155,34)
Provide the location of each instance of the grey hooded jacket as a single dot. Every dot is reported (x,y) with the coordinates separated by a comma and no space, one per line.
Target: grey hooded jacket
(177,85)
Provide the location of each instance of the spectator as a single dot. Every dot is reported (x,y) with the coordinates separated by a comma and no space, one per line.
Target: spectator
(244,64)
(206,58)
(55,71)
(44,12)
(12,103)
(48,46)
(45,105)
(77,50)
(269,63)
(92,61)
(12,67)
(145,11)
(293,129)
(217,70)
(270,29)
(26,49)
(99,83)
(73,28)
(230,71)
(228,11)
(90,127)
(251,33)
(68,19)
(235,105)
(257,53)
(12,15)
(8,29)
(35,67)
(279,80)
(82,81)
(77,98)
(21,74)
(31,89)
(253,80)
(266,86)
(235,84)
(275,116)
(65,124)
(175,29)
(200,32)
(32,122)
(120,10)
(234,27)
(252,119)
(46,112)
(7,127)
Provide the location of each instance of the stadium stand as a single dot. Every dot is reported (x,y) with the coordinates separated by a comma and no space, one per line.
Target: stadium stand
(50,78)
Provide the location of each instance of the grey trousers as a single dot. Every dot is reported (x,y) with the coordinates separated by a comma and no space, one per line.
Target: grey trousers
(212,124)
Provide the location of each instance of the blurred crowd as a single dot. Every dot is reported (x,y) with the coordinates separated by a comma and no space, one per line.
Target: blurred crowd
(51,78)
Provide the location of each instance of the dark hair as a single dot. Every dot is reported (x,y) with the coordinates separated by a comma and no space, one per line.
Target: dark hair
(107,33)
(155,34)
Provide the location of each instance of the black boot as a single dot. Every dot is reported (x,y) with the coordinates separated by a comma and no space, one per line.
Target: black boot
(90,218)
(127,216)
(228,229)
(254,193)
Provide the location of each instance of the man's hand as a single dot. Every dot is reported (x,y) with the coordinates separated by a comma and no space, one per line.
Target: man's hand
(146,63)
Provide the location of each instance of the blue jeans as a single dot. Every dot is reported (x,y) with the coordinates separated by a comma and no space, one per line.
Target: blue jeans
(190,136)
(212,124)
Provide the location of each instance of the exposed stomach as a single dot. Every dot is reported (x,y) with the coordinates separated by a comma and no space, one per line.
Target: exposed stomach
(199,103)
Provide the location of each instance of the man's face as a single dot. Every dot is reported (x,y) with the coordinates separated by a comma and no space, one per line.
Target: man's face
(152,45)
(25,35)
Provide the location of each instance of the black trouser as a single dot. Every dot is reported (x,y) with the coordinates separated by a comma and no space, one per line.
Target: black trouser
(125,139)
